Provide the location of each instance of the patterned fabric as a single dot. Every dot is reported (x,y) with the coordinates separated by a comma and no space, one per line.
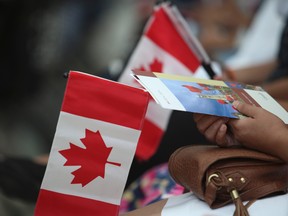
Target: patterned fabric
(154,185)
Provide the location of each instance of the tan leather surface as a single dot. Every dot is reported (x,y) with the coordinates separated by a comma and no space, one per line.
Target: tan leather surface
(253,174)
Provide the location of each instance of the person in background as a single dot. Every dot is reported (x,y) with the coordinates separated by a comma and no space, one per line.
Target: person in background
(272,75)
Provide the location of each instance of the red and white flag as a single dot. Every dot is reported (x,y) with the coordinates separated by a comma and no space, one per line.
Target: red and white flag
(167,46)
(95,141)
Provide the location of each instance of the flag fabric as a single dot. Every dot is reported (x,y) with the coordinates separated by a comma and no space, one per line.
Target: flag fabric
(167,46)
(94,144)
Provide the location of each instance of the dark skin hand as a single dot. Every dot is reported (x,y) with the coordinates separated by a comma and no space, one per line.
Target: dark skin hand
(261,130)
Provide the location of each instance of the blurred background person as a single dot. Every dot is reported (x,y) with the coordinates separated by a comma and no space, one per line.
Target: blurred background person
(262,57)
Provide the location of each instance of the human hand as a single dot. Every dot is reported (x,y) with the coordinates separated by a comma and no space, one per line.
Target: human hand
(261,130)
(215,129)
(226,75)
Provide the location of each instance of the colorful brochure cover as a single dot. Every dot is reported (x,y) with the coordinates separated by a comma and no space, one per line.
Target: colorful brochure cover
(213,97)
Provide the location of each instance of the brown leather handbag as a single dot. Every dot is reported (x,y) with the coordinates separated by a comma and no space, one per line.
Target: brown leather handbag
(220,176)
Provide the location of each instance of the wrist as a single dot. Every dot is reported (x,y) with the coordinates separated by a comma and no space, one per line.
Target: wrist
(231,74)
(281,144)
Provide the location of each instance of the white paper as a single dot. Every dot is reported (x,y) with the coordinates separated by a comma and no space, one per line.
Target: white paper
(189,205)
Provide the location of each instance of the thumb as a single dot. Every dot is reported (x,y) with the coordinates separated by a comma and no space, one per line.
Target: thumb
(246,109)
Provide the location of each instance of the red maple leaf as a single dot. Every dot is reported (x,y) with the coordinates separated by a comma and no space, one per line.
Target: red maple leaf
(142,68)
(155,66)
(92,159)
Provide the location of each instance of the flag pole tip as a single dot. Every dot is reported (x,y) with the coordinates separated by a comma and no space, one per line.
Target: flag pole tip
(66,75)
(209,69)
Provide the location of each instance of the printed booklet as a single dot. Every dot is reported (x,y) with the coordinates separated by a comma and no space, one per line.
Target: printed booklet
(213,97)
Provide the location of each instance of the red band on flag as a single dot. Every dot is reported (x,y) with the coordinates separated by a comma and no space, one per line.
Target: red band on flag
(146,144)
(163,33)
(61,204)
(87,171)
(168,46)
(80,99)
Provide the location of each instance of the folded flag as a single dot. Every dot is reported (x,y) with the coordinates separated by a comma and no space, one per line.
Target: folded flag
(167,46)
(95,141)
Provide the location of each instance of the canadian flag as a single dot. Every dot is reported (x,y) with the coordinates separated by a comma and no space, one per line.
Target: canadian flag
(95,141)
(167,46)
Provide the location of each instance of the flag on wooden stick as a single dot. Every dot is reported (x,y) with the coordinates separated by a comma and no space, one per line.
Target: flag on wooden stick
(93,148)
(167,45)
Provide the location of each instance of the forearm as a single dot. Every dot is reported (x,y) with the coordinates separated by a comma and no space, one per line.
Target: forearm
(274,143)
(280,146)
(256,74)
(278,89)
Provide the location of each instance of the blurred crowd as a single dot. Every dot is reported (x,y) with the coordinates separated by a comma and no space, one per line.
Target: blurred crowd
(41,40)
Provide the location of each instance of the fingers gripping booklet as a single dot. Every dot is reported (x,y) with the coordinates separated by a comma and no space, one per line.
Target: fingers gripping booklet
(213,97)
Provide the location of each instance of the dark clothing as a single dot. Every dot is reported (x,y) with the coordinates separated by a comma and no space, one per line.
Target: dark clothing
(282,67)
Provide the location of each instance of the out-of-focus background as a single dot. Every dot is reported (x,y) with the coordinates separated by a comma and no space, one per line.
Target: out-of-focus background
(41,40)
